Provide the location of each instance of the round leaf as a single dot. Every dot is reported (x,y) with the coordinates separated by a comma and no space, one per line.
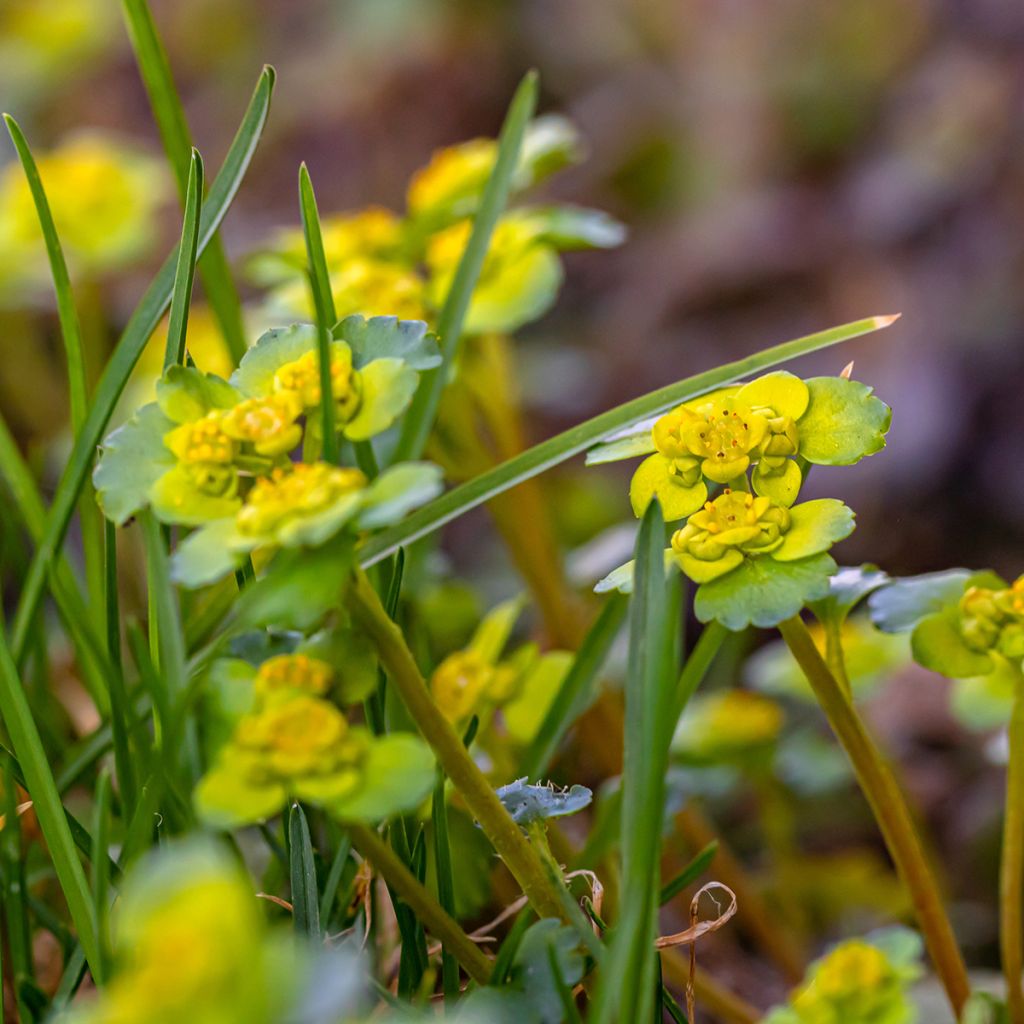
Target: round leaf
(387,388)
(783,488)
(399,490)
(398,774)
(843,422)
(652,479)
(938,644)
(387,337)
(224,800)
(762,592)
(815,527)
(780,391)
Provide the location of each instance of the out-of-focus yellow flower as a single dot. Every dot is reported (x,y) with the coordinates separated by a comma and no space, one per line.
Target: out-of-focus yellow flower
(453,175)
(104,196)
(192,945)
(460,682)
(727,724)
(41,40)
(297,672)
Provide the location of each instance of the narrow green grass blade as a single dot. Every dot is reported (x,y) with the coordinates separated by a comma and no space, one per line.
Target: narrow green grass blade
(120,708)
(576,688)
(570,1014)
(302,869)
(169,114)
(696,668)
(330,893)
(71,979)
(627,988)
(14,888)
(185,268)
(578,439)
(62,583)
(445,884)
(100,859)
(67,315)
(689,874)
(419,420)
(48,808)
(507,953)
(323,303)
(136,334)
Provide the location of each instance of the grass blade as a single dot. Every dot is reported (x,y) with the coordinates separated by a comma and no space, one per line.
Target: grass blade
(71,334)
(628,986)
(185,269)
(334,876)
(63,585)
(578,439)
(67,315)
(689,874)
(445,884)
(136,334)
(419,420)
(302,868)
(100,859)
(575,691)
(323,303)
(174,132)
(48,808)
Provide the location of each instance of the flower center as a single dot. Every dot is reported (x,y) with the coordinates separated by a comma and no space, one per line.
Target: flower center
(204,441)
(296,491)
(302,378)
(293,672)
(735,519)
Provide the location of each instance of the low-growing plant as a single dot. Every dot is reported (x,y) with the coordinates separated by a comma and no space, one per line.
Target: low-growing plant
(287,736)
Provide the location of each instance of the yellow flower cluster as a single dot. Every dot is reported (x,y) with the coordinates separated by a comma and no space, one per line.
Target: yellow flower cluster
(993,620)
(104,197)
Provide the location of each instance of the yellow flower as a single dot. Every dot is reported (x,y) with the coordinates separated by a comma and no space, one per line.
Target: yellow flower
(724,724)
(104,198)
(735,521)
(295,503)
(453,174)
(295,738)
(460,682)
(293,672)
(268,423)
(994,619)
(203,441)
(716,439)
(301,377)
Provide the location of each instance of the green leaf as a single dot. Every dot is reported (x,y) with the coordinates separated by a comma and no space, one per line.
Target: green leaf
(899,606)
(782,392)
(398,775)
(652,479)
(577,690)
(302,871)
(533,973)
(387,337)
(574,227)
(397,491)
(763,592)
(225,800)
(520,288)
(185,268)
(622,448)
(273,349)
(176,499)
(420,419)
(136,334)
(847,588)
(938,644)
(206,555)
(528,803)
(701,571)
(387,388)
(578,439)
(38,777)
(299,588)
(174,132)
(986,702)
(132,459)
(843,422)
(815,527)
(354,656)
(186,394)
(540,683)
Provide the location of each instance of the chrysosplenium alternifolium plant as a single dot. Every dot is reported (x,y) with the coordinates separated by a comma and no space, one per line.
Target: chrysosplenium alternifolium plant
(732,464)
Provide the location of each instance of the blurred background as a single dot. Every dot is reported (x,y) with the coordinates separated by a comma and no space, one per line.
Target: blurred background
(781,167)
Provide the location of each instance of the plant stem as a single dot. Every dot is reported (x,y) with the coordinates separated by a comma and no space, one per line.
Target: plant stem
(421,902)
(834,657)
(505,835)
(890,811)
(1011,870)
